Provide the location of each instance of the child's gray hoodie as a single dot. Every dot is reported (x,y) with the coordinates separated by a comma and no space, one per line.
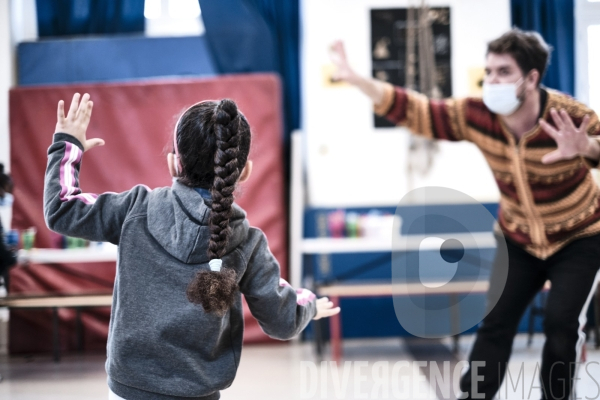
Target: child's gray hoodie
(160,346)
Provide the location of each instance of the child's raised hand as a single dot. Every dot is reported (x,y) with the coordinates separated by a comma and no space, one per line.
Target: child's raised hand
(325,308)
(77,120)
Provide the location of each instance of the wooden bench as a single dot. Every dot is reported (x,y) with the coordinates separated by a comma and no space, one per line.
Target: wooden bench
(76,301)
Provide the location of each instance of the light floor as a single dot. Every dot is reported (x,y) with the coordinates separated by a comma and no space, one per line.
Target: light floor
(372,369)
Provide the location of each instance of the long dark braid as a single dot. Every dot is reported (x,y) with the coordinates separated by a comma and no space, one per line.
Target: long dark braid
(216,290)
(227,173)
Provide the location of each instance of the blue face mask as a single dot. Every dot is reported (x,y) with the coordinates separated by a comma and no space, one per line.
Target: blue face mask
(7,200)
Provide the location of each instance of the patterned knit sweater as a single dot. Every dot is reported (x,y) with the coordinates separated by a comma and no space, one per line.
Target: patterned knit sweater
(542,207)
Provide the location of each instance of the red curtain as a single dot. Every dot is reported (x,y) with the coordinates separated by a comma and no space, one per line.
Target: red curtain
(136,120)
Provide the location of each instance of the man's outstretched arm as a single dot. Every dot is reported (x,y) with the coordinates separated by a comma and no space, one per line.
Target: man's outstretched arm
(431,118)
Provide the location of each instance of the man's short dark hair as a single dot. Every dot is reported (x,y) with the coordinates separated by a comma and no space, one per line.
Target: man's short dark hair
(528,48)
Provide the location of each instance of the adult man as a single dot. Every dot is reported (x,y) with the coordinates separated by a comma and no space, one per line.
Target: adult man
(539,144)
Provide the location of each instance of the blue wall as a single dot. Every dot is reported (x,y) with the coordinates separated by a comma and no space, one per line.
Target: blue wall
(110,59)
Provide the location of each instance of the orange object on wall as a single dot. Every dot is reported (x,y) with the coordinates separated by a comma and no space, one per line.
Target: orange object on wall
(136,120)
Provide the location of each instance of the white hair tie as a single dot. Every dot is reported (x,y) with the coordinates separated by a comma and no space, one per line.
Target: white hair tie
(215,264)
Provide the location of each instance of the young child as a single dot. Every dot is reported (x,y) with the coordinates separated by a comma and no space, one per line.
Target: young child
(186,254)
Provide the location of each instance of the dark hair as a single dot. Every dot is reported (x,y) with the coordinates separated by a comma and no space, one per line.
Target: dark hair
(528,48)
(6,183)
(213,142)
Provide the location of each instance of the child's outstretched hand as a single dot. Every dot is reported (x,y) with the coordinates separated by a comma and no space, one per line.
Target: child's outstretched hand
(325,308)
(77,120)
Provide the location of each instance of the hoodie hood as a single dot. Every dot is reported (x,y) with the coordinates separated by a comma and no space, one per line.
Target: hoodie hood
(182,228)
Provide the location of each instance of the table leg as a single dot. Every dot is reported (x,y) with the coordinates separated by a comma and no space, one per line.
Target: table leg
(78,329)
(456,343)
(318,339)
(55,334)
(335,325)
(455,322)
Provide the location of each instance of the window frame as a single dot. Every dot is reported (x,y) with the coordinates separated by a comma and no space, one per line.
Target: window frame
(587,13)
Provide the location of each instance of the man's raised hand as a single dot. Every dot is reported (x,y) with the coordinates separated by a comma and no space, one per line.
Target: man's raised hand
(572,141)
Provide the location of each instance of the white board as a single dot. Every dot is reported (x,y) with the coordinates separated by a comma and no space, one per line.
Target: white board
(349,162)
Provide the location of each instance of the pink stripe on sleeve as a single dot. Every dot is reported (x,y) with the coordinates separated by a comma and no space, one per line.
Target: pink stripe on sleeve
(283,282)
(69,190)
(63,164)
(304,296)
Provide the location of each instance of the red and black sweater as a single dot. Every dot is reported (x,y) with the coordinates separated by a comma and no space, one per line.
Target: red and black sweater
(542,206)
